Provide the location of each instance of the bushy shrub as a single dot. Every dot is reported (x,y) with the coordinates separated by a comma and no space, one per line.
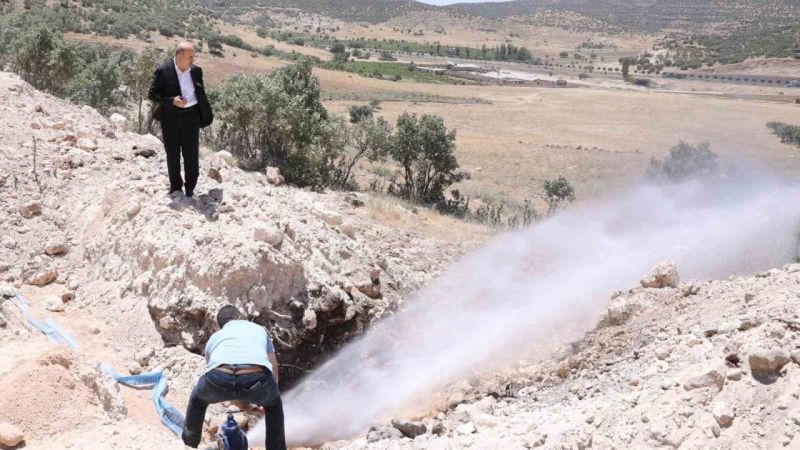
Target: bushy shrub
(789,134)
(557,193)
(424,148)
(684,162)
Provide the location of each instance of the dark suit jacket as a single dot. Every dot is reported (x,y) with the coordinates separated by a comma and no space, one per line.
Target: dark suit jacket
(165,87)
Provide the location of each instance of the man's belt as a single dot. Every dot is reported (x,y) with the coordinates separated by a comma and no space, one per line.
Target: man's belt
(195,107)
(239,370)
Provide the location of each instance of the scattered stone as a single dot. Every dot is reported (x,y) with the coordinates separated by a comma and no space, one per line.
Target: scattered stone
(274,176)
(690,289)
(88,144)
(55,248)
(133,209)
(735,374)
(227,157)
(270,235)
(376,434)
(40,277)
(619,311)
(710,375)
(354,199)
(134,368)
(144,152)
(348,230)
(10,435)
(55,305)
(143,356)
(766,364)
(409,428)
(215,174)
(662,275)
(438,428)
(30,209)
(331,218)
(723,413)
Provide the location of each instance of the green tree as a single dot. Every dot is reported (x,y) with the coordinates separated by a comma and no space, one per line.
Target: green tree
(684,162)
(626,66)
(278,120)
(97,85)
(425,148)
(368,138)
(215,45)
(360,112)
(33,57)
(137,74)
(340,53)
(558,192)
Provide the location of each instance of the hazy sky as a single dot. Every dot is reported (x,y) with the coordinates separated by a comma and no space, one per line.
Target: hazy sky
(450,2)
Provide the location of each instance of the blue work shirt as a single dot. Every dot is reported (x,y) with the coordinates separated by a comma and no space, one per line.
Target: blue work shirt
(239,342)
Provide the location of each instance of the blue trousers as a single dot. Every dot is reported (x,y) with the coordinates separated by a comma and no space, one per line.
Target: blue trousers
(217,386)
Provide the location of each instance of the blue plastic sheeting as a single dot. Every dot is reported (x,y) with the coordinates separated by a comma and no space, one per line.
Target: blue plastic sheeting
(170,416)
(48,327)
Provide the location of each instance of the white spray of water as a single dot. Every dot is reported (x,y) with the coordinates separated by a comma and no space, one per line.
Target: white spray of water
(532,286)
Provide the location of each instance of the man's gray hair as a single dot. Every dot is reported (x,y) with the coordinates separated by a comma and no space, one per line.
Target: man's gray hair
(183,46)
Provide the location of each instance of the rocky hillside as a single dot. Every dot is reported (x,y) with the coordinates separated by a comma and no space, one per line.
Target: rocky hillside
(645,15)
(691,365)
(89,237)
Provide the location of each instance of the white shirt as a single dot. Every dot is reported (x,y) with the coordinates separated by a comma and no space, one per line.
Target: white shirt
(187,86)
(239,342)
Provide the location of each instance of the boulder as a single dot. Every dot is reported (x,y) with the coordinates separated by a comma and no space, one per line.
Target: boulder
(662,275)
(710,375)
(270,235)
(274,176)
(409,428)
(40,276)
(227,157)
(619,311)
(376,434)
(10,435)
(767,364)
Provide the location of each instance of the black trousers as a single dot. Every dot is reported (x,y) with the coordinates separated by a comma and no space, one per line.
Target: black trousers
(215,387)
(181,135)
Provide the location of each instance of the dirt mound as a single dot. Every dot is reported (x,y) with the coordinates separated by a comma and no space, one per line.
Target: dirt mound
(90,237)
(704,365)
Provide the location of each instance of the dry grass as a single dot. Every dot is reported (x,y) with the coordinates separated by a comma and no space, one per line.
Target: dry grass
(601,140)
(398,214)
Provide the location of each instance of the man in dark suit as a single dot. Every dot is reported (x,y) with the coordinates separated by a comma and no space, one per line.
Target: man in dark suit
(181,105)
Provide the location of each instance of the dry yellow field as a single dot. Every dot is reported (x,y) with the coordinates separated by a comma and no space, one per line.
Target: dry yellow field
(599,139)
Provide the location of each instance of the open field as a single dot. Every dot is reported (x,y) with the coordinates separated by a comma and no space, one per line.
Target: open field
(600,140)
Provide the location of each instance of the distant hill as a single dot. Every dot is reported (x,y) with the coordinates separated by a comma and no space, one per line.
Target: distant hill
(372,11)
(648,15)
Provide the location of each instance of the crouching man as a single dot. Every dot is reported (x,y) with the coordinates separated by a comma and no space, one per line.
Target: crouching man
(240,365)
